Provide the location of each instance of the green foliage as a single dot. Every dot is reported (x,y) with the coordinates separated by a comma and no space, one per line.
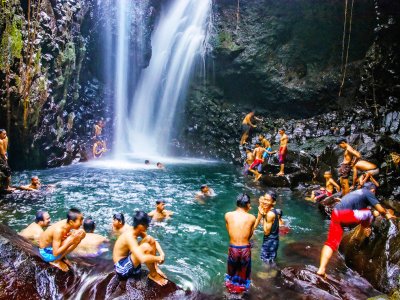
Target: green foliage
(69,54)
(11,44)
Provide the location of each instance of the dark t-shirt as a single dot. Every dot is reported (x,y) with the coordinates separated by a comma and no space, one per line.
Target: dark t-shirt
(359,199)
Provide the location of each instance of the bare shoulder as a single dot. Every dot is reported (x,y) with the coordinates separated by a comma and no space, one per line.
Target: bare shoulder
(150,214)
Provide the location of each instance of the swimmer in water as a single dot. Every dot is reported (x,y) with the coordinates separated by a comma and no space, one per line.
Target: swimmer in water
(160,213)
(93,244)
(205,192)
(35,229)
(34,186)
(61,239)
(118,224)
(160,166)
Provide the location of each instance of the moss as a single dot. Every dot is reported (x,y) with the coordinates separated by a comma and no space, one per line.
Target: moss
(69,55)
(11,44)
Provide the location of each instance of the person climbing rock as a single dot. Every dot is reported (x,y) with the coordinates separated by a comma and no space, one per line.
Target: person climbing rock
(349,157)
(240,227)
(269,215)
(352,209)
(35,229)
(258,160)
(129,253)
(367,167)
(61,239)
(268,151)
(282,151)
(247,126)
(330,186)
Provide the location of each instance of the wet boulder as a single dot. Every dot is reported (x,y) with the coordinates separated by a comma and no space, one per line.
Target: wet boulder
(377,257)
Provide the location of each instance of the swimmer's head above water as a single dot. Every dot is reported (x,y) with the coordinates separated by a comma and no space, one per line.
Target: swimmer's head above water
(89,225)
(118,220)
(42,218)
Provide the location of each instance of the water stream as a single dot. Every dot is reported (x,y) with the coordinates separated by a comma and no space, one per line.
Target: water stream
(195,239)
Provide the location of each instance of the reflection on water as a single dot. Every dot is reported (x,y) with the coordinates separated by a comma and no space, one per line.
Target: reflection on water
(194,239)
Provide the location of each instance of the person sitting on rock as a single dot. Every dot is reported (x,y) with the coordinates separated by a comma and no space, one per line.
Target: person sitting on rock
(369,169)
(34,186)
(330,186)
(249,160)
(240,227)
(99,148)
(160,213)
(61,239)
(353,209)
(267,153)
(258,154)
(282,151)
(366,177)
(247,126)
(269,215)
(129,253)
(118,224)
(350,155)
(35,229)
(93,244)
(205,192)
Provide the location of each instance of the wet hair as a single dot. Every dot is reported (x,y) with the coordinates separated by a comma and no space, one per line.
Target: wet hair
(160,201)
(40,216)
(282,129)
(34,177)
(158,164)
(328,172)
(203,186)
(73,214)
(369,186)
(272,194)
(258,143)
(141,218)
(146,161)
(89,225)
(242,200)
(279,212)
(341,140)
(120,217)
(2,130)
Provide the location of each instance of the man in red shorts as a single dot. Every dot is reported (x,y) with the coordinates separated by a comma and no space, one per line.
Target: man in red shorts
(353,209)
(282,151)
(258,159)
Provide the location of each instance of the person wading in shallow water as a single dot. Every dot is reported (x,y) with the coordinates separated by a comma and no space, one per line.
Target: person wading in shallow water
(240,227)
(247,126)
(267,212)
(282,151)
(353,209)
(350,156)
(129,254)
(61,239)
(35,229)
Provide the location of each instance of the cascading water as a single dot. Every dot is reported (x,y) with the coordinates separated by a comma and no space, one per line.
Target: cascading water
(177,43)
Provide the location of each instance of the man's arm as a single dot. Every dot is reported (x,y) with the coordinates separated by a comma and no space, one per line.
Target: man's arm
(355,176)
(160,251)
(26,188)
(258,220)
(268,223)
(252,227)
(384,212)
(151,214)
(353,152)
(137,252)
(333,182)
(58,248)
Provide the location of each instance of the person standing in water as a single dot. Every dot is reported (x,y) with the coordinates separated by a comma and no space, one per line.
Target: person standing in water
(247,126)
(240,227)
(129,253)
(282,151)
(35,229)
(160,213)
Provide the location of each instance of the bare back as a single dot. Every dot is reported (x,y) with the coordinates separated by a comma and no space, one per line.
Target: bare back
(90,244)
(32,232)
(2,148)
(123,245)
(240,227)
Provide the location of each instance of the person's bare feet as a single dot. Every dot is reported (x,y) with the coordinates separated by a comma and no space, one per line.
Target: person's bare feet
(157,278)
(280,174)
(323,275)
(160,272)
(60,265)
(67,262)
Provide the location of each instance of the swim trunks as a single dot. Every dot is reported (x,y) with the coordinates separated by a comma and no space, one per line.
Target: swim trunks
(345,217)
(246,128)
(344,170)
(125,268)
(255,163)
(237,279)
(47,254)
(321,194)
(282,155)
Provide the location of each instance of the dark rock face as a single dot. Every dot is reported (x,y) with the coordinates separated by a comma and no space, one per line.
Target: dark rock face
(376,258)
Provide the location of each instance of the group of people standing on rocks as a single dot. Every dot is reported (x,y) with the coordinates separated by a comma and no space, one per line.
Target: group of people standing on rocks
(257,159)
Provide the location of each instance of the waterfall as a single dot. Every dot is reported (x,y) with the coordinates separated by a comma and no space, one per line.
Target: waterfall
(177,44)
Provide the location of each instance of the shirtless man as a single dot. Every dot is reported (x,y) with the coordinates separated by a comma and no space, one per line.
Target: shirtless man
(118,225)
(34,186)
(282,151)
(330,186)
(369,169)
(98,128)
(4,167)
(160,213)
(61,239)
(205,192)
(129,254)
(247,126)
(258,154)
(350,155)
(269,215)
(249,160)
(240,227)
(35,229)
(93,244)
